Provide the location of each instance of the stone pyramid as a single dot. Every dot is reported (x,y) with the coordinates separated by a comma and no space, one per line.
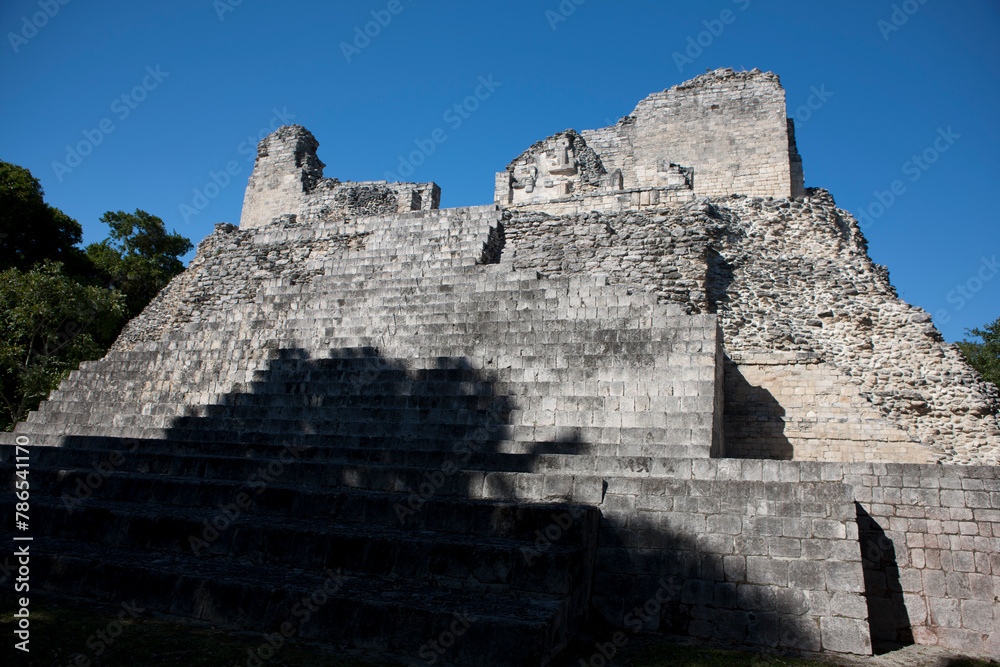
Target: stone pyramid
(657,384)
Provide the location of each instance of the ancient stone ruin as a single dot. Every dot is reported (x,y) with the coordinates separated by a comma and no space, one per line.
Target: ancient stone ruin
(657,384)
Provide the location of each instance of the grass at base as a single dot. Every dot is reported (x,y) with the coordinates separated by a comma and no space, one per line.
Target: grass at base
(648,651)
(664,655)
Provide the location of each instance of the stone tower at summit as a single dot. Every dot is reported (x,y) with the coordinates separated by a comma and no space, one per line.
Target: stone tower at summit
(658,382)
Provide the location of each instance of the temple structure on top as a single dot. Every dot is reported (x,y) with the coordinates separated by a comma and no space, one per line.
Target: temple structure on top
(719,134)
(287,181)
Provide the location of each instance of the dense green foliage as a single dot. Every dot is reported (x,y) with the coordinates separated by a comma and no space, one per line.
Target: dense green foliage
(32,231)
(139,258)
(59,304)
(49,323)
(984,356)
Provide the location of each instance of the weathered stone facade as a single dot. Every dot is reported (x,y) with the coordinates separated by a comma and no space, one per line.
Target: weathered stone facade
(721,133)
(287,180)
(657,382)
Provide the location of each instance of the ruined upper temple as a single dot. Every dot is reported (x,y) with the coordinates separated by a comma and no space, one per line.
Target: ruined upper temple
(287,181)
(722,133)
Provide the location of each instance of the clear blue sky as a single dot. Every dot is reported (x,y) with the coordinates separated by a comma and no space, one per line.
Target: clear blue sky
(216,73)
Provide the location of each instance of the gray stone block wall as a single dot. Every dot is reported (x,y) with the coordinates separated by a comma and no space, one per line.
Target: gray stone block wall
(661,253)
(729,551)
(829,556)
(287,180)
(785,405)
(731,127)
(932,552)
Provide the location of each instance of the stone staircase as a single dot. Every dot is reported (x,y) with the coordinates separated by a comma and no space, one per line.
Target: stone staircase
(415,437)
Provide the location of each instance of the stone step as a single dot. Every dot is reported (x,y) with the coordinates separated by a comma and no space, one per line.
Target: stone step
(294,482)
(519,321)
(395,411)
(319,465)
(519,370)
(509,333)
(464,351)
(671,395)
(373,290)
(393,616)
(596,441)
(448,560)
(358,393)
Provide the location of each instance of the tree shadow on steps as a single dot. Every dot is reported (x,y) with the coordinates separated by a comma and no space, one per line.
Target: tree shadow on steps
(426,429)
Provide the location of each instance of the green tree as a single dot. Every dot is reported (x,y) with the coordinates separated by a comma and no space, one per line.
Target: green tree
(49,323)
(31,231)
(139,258)
(984,356)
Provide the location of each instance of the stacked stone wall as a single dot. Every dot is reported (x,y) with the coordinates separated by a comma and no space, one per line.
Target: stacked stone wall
(658,253)
(731,127)
(791,278)
(732,552)
(785,405)
(287,181)
(931,545)
(809,555)
(228,271)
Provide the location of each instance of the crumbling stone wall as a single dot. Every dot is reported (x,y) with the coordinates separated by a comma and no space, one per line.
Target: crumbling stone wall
(287,179)
(661,253)
(730,127)
(794,276)
(228,271)
(785,405)
(788,277)
(555,167)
